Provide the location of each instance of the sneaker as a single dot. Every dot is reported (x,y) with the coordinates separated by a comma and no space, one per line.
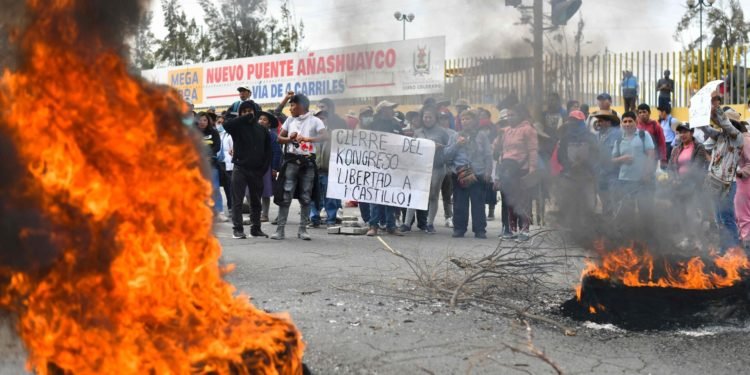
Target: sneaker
(395,232)
(304,236)
(277,236)
(381,226)
(372,232)
(481,235)
(258,234)
(449,222)
(522,237)
(404,228)
(222,218)
(238,235)
(457,235)
(430,229)
(340,212)
(507,235)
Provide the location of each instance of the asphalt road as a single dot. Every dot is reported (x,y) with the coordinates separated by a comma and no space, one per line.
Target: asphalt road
(360,313)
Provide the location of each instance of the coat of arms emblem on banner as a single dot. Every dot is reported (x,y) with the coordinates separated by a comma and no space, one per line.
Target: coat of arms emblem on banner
(422,61)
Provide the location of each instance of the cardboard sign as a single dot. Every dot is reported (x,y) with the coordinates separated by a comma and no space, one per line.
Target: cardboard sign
(380,168)
(700,105)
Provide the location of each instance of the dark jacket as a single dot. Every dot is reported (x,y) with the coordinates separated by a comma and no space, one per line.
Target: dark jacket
(212,140)
(276,148)
(578,151)
(252,144)
(386,126)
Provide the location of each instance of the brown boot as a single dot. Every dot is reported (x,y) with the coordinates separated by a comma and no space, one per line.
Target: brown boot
(372,232)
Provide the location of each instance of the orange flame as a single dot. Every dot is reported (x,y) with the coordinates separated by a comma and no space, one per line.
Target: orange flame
(137,288)
(636,269)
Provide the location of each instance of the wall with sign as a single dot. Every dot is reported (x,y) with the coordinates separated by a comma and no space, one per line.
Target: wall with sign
(410,67)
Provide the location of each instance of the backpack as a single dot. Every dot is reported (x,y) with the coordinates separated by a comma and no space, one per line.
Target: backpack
(641,135)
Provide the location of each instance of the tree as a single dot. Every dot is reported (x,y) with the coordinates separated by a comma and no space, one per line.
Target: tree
(182,44)
(290,36)
(143,49)
(726,26)
(235,27)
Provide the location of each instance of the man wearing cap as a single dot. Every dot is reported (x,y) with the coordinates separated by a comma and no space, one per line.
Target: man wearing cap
(665,87)
(245,94)
(251,156)
(384,122)
(722,170)
(300,133)
(608,134)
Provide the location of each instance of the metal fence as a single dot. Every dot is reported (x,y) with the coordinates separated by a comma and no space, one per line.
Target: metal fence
(489,79)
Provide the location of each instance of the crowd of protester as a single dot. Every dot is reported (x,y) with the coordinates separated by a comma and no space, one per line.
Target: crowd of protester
(570,159)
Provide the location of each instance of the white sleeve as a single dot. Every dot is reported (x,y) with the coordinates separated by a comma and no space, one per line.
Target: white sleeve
(319,126)
(286,124)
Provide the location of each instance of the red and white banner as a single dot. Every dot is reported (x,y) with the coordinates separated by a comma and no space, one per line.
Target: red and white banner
(410,67)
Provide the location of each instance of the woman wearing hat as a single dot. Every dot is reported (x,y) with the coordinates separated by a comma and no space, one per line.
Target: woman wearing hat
(607,135)
(688,166)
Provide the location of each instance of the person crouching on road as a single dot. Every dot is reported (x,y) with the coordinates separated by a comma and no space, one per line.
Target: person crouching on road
(470,155)
(297,176)
(251,155)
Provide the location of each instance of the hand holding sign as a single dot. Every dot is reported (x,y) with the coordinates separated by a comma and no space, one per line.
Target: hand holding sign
(701,104)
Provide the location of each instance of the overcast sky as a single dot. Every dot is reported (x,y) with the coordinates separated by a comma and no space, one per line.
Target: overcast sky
(477,27)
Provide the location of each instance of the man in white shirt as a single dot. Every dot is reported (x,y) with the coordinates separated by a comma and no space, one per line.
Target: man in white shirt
(299,134)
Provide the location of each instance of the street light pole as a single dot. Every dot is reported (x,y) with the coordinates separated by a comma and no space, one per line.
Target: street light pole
(701,4)
(404,18)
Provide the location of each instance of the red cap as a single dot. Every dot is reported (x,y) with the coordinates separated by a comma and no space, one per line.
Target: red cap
(578,115)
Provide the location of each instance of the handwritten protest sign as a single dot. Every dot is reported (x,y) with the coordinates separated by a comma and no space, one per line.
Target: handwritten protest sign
(700,105)
(380,168)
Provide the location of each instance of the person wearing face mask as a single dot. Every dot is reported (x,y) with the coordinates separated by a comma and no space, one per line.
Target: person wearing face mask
(225,157)
(251,155)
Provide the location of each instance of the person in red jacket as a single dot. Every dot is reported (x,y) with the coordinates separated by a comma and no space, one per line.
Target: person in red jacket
(654,129)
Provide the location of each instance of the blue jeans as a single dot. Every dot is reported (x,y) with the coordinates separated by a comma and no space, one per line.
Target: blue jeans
(377,211)
(364,211)
(725,219)
(216,192)
(475,196)
(330,205)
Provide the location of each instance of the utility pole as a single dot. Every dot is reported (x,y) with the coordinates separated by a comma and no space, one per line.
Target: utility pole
(538,59)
